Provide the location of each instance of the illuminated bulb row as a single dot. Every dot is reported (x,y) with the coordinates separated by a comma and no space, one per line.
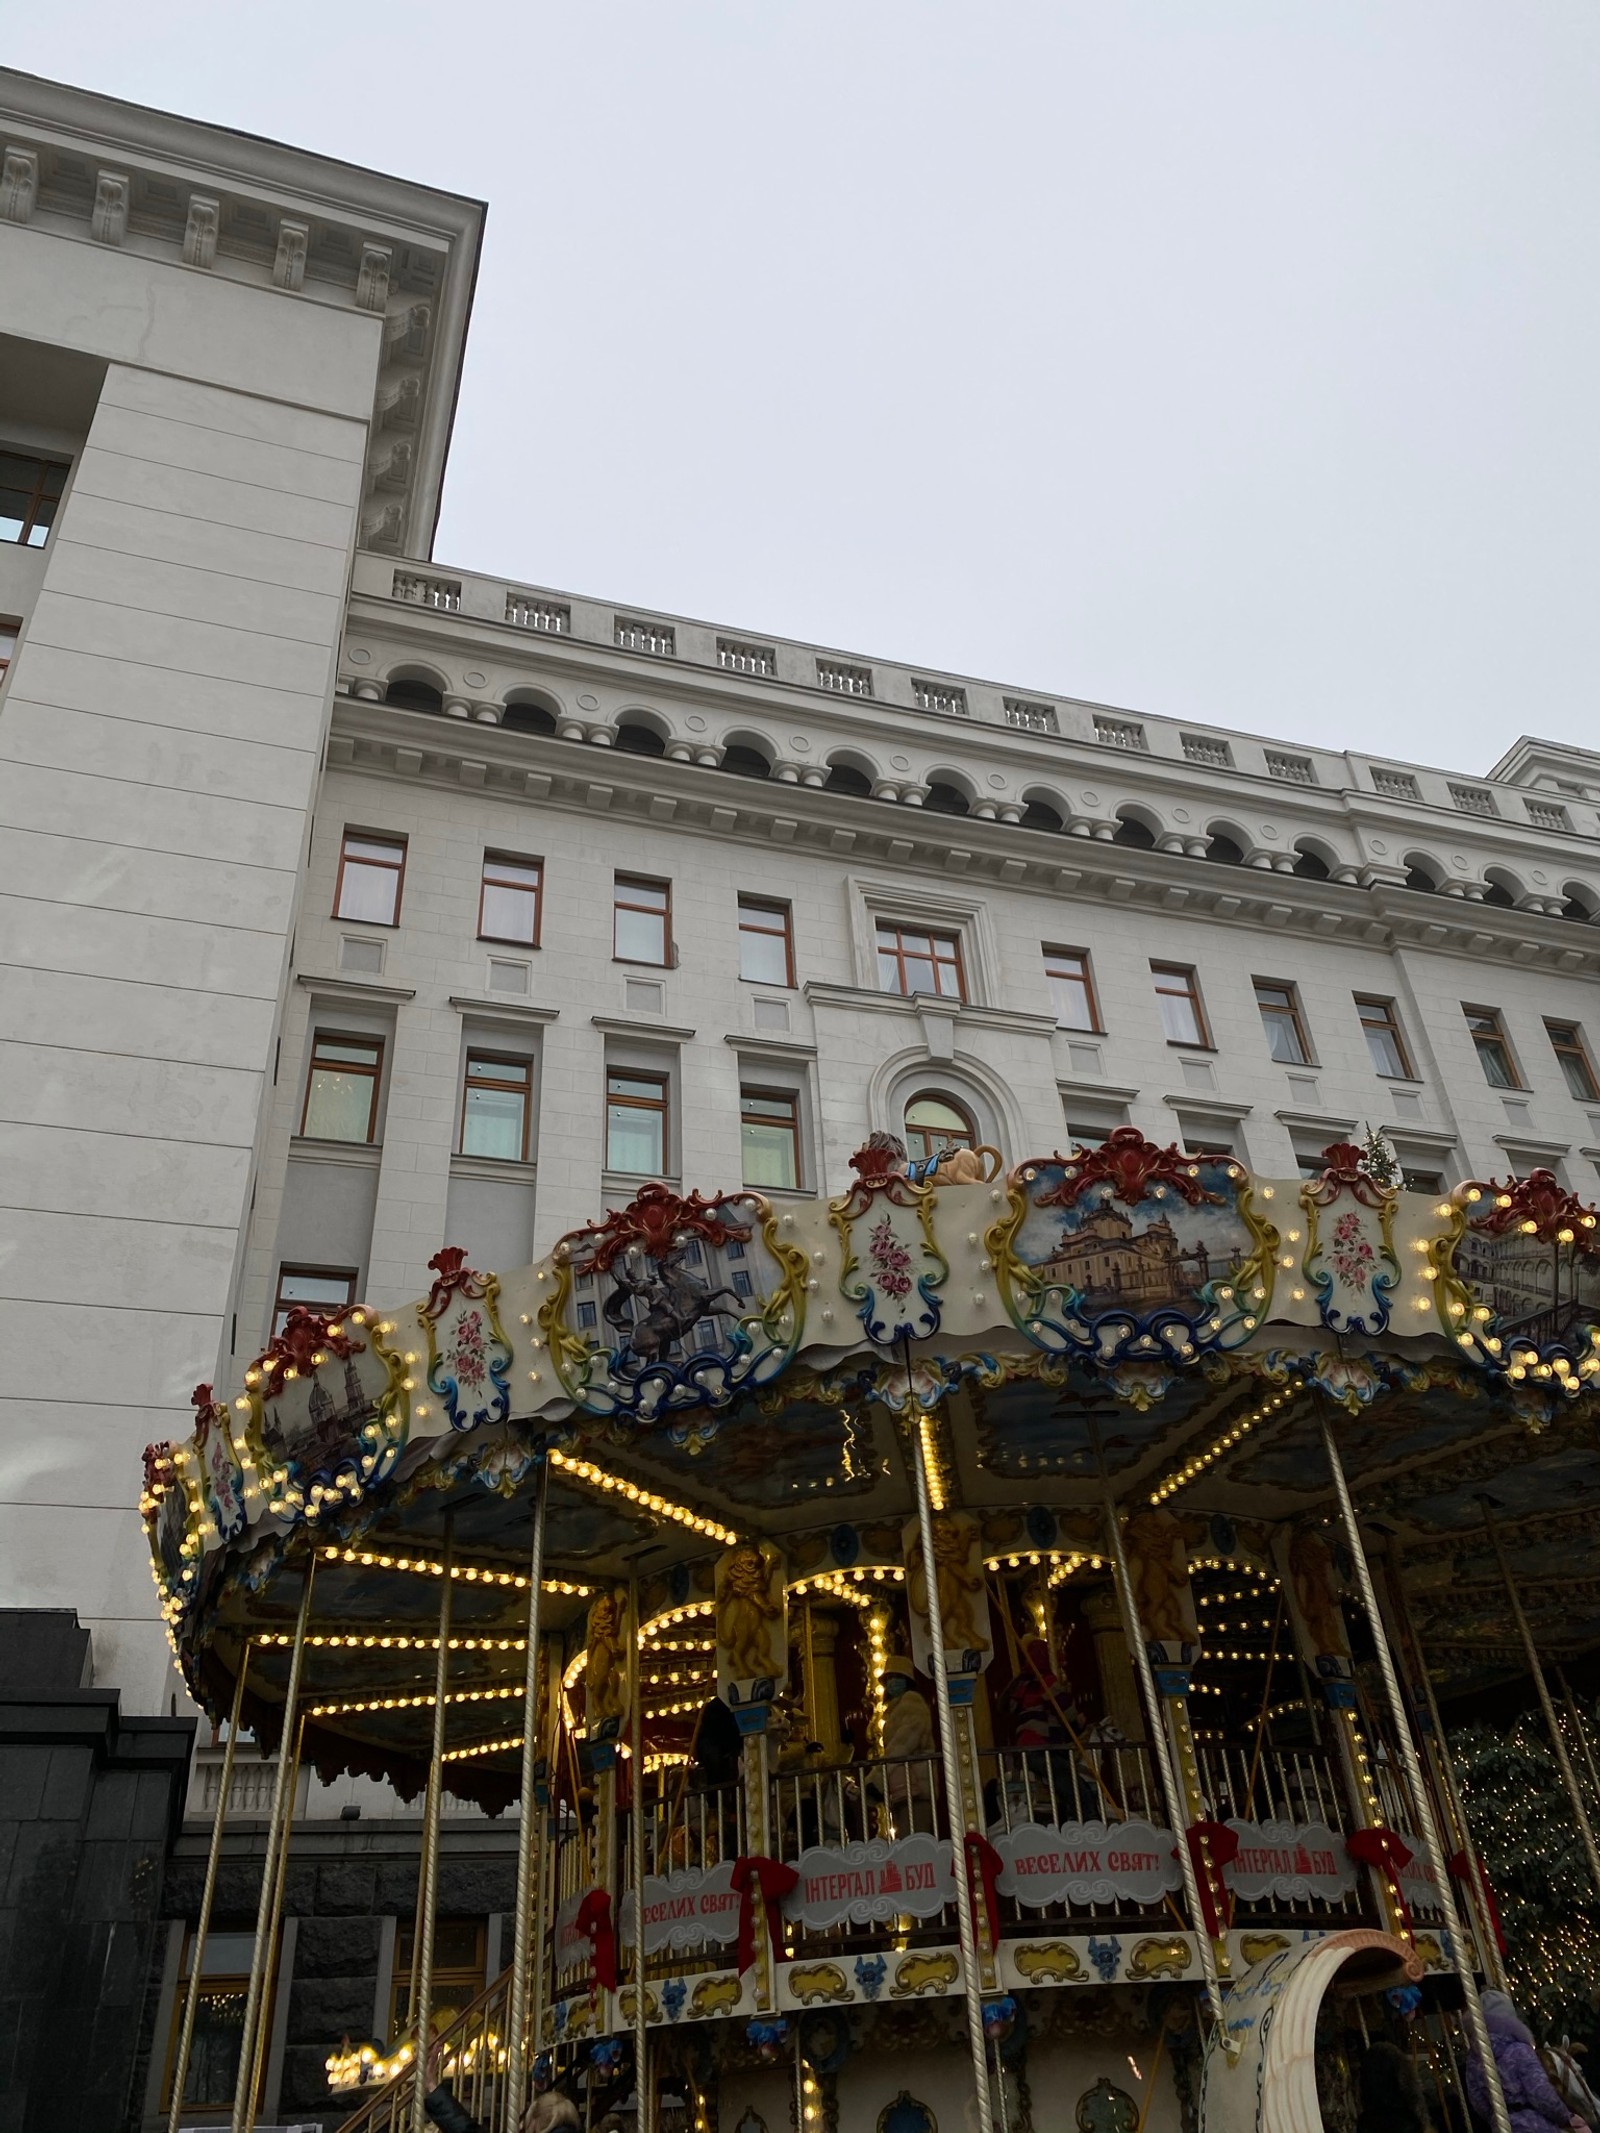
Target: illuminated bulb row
(1031,1559)
(596,1477)
(483,1747)
(1195,1467)
(1069,1566)
(465,1573)
(351,1640)
(416,1703)
(937,1493)
(690,1611)
(838,1583)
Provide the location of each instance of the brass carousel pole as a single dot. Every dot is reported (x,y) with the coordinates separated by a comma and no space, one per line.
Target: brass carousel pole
(1171,1790)
(202,1925)
(1575,1713)
(427,1895)
(530,1858)
(244,2105)
(275,1929)
(1416,1785)
(1569,1776)
(646,2118)
(976,2041)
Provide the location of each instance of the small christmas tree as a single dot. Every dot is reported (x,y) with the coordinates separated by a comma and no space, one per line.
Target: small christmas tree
(1523,1825)
(1379,1160)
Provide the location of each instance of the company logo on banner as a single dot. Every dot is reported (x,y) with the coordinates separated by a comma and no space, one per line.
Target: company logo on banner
(914,1876)
(691,1908)
(1291,1860)
(1087,1862)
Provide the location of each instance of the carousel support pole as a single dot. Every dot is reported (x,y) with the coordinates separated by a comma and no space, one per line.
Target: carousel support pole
(1444,1763)
(1177,1806)
(529,1856)
(646,2120)
(953,1790)
(275,1931)
(202,1925)
(428,1893)
(756,1764)
(1416,1784)
(1575,1713)
(244,2102)
(1569,1777)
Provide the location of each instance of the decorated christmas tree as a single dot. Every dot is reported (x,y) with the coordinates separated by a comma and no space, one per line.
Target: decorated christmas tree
(1523,1824)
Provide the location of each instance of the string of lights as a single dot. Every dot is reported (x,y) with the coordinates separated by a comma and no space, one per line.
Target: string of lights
(1199,1462)
(596,1477)
(428,1566)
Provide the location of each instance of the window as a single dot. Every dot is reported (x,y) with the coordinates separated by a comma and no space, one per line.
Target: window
(1072,988)
(936,1122)
(509,900)
(1385,1043)
(8,645)
(371,870)
(1428,1181)
(460,1953)
(1219,1147)
(495,1107)
(218,2022)
(766,942)
(1178,996)
(342,1088)
(30,491)
(1566,1040)
(642,920)
(329,1290)
(636,1122)
(1280,1017)
(911,961)
(1494,1048)
(769,1135)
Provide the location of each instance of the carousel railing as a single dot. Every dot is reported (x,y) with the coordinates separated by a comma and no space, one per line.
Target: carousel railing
(1297,1786)
(474,2064)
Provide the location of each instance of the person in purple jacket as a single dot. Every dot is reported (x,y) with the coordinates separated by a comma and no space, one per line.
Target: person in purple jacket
(1531,2100)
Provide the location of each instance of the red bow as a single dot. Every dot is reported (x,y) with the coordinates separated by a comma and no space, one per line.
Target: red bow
(1390,1853)
(1212,1846)
(984,1861)
(1464,1867)
(594,1922)
(774,1880)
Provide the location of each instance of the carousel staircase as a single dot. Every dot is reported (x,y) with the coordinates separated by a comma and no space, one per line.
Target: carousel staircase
(474,2066)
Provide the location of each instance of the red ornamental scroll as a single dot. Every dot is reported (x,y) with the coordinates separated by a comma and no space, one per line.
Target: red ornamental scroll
(1465,1868)
(593,1921)
(985,1865)
(775,1881)
(1390,1854)
(1213,1846)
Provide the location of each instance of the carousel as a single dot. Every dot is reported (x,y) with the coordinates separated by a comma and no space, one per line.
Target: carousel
(961,1653)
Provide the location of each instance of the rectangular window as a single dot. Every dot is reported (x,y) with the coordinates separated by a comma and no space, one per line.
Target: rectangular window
(30,495)
(218,2024)
(1385,1043)
(636,1122)
(1494,1047)
(328,1289)
(495,1107)
(642,920)
(1203,1143)
(1429,1181)
(460,1953)
(912,961)
(1072,988)
(371,870)
(508,901)
(769,1135)
(1566,1040)
(766,942)
(1280,1017)
(342,1088)
(8,645)
(1178,996)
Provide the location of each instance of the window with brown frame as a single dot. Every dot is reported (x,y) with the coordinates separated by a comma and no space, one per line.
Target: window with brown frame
(913,960)
(342,1087)
(1183,1018)
(1283,1022)
(460,1954)
(641,920)
(371,872)
(1566,1041)
(9,632)
(1072,988)
(766,942)
(769,1138)
(30,495)
(935,1122)
(636,1122)
(496,1106)
(213,2069)
(1386,1044)
(1493,1047)
(328,1289)
(510,899)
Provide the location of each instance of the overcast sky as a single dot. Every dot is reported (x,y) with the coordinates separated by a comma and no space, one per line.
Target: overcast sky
(1236,362)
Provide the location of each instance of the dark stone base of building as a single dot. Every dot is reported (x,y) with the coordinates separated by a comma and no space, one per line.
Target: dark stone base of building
(90,1805)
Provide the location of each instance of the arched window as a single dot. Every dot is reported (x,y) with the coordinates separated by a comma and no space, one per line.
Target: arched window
(744,762)
(1224,851)
(1040,815)
(944,799)
(1422,874)
(1134,831)
(934,1122)
(1310,865)
(408,695)
(634,737)
(529,718)
(844,777)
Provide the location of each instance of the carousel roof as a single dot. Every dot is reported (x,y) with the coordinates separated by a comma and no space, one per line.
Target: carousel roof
(1123,1320)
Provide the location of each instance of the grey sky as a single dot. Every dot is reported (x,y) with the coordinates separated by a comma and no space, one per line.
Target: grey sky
(1237,362)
